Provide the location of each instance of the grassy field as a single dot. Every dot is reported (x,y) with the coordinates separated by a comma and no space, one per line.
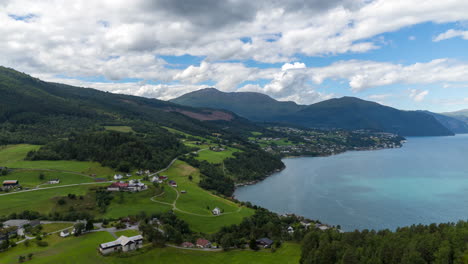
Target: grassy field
(216,157)
(30,178)
(125,129)
(75,250)
(13,153)
(127,233)
(12,156)
(49,228)
(40,200)
(196,204)
(134,203)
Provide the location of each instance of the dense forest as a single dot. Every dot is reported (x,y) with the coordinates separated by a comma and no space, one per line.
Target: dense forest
(37,112)
(252,164)
(122,151)
(262,224)
(417,244)
(249,165)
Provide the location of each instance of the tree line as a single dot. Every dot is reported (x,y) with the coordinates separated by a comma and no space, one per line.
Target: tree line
(121,151)
(416,244)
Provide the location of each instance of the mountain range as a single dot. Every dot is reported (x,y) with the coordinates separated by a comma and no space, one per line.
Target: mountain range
(35,111)
(32,111)
(339,113)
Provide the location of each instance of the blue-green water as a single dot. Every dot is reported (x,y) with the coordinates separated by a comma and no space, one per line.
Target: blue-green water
(425,181)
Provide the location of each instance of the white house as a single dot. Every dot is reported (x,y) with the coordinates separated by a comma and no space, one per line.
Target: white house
(118,177)
(65,233)
(123,244)
(290,230)
(136,186)
(216,211)
(305,224)
(54,181)
(156,179)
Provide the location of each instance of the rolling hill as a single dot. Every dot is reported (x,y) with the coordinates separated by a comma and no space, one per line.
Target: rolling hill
(34,111)
(254,106)
(455,124)
(341,113)
(461,115)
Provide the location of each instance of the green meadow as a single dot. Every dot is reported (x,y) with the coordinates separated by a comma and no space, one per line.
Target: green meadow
(133,204)
(124,129)
(49,228)
(40,200)
(83,249)
(127,233)
(216,156)
(31,179)
(196,204)
(12,156)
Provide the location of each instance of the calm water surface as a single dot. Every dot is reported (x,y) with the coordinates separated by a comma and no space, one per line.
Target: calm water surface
(426,181)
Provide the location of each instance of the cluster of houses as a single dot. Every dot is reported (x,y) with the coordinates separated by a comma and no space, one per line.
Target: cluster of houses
(17,226)
(120,176)
(130,186)
(143,172)
(122,244)
(159,179)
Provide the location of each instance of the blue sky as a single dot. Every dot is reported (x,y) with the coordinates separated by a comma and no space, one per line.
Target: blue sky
(406,54)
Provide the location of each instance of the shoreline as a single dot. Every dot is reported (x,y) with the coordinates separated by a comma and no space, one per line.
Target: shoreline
(241,184)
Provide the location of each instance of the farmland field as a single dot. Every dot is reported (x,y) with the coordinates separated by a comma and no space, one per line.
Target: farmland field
(82,249)
(12,156)
(30,178)
(216,156)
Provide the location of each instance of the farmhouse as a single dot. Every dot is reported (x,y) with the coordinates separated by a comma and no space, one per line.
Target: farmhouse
(118,177)
(65,233)
(123,243)
(203,243)
(117,186)
(265,242)
(131,186)
(156,179)
(187,245)
(136,186)
(54,181)
(173,183)
(8,184)
(216,211)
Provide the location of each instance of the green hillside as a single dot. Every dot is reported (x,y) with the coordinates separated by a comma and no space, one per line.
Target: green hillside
(254,106)
(34,111)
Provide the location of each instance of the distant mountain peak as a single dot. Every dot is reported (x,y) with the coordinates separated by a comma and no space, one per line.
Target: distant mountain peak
(347,112)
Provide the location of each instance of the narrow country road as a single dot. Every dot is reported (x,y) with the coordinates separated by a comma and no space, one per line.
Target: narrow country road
(54,187)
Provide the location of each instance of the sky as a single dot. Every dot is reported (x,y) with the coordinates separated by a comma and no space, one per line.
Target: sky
(408,54)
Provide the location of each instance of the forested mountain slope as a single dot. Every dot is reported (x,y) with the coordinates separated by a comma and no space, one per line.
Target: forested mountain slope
(341,113)
(34,111)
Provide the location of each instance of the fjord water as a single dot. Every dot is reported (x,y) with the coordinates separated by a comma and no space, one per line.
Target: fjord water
(425,181)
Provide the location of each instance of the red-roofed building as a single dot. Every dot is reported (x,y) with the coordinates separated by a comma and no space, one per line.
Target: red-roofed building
(117,186)
(187,245)
(203,243)
(10,184)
